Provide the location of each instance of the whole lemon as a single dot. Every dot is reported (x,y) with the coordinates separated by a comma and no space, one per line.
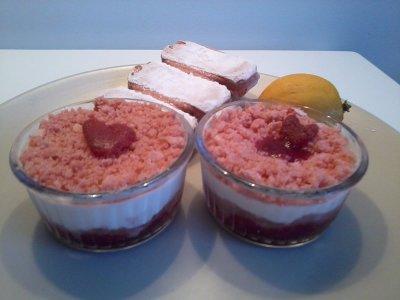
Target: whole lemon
(308,90)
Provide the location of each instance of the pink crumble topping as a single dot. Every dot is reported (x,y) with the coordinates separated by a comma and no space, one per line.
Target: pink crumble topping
(237,137)
(59,157)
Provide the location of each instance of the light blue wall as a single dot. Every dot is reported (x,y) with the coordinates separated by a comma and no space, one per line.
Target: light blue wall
(371,28)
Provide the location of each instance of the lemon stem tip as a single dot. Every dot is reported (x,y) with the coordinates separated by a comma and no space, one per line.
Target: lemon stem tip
(346,106)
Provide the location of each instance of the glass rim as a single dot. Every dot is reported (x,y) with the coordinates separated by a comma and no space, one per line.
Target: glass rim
(24,178)
(350,181)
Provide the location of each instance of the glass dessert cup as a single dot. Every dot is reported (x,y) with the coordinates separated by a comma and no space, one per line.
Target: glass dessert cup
(269,216)
(112,220)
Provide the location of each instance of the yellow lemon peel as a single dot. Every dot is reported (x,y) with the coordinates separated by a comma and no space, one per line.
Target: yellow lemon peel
(307,90)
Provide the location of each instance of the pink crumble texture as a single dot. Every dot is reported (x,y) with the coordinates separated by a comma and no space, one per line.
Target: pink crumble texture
(231,137)
(59,157)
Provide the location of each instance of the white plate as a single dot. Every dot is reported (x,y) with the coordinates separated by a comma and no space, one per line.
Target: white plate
(356,258)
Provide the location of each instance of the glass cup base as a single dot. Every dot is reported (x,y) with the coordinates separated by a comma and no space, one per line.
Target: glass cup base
(294,244)
(262,231)
(103,240)
(76,246)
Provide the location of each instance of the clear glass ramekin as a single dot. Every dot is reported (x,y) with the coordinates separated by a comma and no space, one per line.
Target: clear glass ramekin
(270,216)
(110,220)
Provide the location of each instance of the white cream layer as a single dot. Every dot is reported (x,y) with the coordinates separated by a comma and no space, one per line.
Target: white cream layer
(125,93)
(269,211)
(216,62)
(129,213)
(171,82)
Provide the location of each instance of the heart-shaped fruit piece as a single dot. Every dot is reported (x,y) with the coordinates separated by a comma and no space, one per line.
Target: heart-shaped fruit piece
(107,140)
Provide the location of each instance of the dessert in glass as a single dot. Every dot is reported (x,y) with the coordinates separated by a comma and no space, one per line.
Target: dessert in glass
(276,175)
(105,174)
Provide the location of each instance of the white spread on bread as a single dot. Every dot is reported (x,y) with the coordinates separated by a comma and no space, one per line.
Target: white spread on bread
(171,82)
(216,62)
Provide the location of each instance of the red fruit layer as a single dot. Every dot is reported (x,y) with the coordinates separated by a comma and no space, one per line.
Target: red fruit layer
(263,231)
(108,239)
(293,138)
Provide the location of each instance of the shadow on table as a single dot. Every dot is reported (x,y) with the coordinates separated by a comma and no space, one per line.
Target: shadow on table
(201,227)
(349,250)
(89,275)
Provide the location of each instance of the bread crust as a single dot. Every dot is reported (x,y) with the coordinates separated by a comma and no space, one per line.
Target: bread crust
(184,106)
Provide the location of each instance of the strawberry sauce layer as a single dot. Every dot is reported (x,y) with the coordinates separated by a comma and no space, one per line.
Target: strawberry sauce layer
(115,145)
(279,146)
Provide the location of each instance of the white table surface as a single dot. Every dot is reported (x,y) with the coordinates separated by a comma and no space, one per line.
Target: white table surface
(358,259)
(356,78)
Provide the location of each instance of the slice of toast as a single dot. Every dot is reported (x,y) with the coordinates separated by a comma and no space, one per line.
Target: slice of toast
(192,94)
(124,93)
(236,74)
